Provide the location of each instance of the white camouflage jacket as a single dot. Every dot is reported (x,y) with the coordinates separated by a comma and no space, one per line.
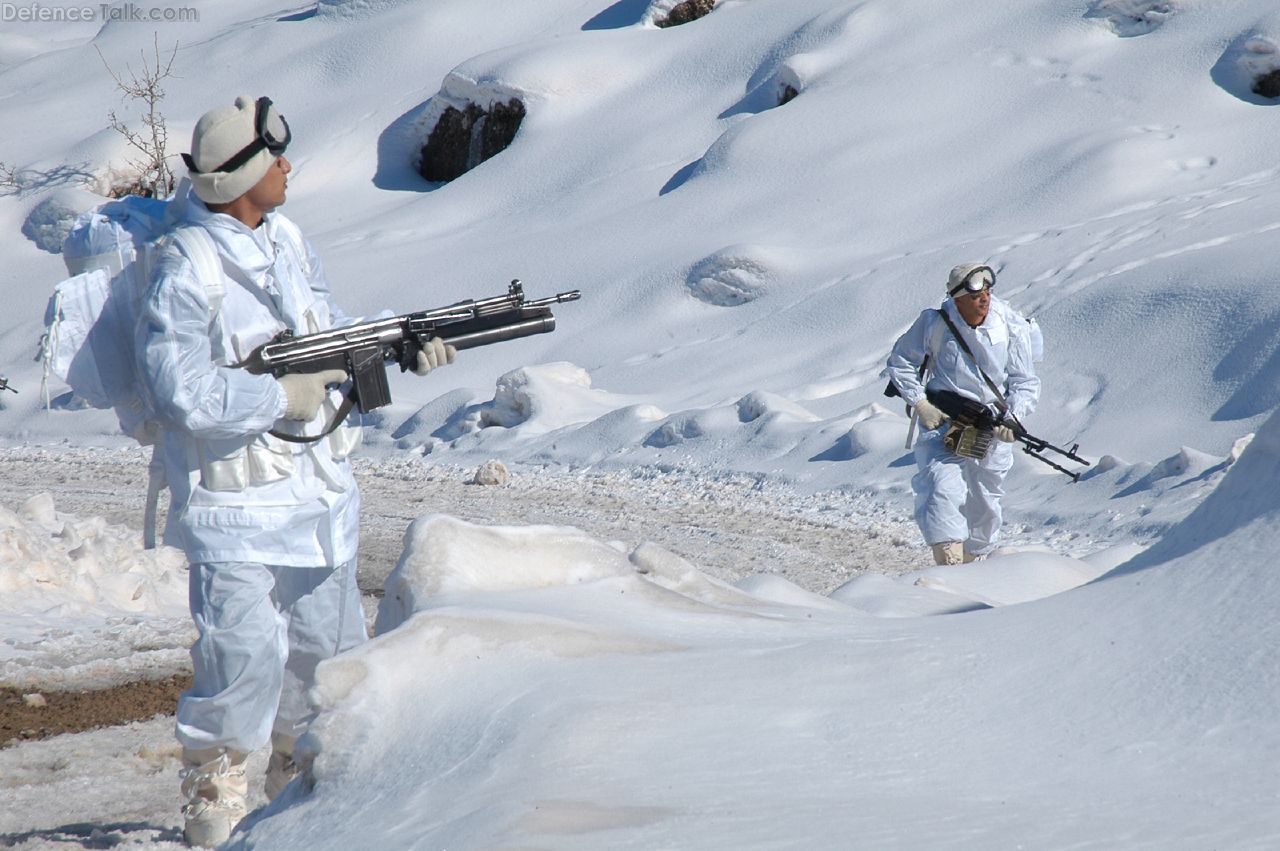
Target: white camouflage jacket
(237,493)
(1002,343)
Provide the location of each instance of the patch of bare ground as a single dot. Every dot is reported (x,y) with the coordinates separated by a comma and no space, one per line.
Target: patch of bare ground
(25,716)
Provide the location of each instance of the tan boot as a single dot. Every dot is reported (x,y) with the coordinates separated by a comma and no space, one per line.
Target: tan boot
(214,784)
(948,552)
(970,557)
(281,768)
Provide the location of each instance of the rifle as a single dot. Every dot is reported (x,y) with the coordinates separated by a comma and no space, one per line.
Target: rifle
(363,350)
(4,385)
(971,413)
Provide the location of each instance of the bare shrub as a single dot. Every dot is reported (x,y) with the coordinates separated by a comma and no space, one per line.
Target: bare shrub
(9,181)
(154,177)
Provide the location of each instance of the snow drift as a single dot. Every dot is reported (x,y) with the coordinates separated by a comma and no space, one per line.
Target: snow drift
(534,687)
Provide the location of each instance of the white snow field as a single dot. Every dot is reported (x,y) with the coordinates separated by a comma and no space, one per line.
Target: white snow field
(533,687)
(578,662)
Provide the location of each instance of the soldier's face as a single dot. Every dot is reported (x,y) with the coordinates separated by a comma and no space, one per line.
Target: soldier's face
(973,307)
(268,193)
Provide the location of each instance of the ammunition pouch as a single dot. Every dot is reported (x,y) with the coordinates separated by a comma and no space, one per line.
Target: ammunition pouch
(968,441)
(972,427)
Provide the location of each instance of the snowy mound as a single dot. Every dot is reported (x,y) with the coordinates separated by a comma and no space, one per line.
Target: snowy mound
(81,602)
(735,275)
(536,689)
(71,566)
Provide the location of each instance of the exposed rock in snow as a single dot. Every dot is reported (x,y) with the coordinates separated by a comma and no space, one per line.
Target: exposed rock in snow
(491,472)
(685,11)
(1128,18)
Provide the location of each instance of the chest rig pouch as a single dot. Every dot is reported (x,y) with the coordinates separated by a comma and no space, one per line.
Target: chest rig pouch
(235,464)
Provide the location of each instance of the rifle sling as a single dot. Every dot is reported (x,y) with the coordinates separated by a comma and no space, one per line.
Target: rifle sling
(339,417)
(1000,400)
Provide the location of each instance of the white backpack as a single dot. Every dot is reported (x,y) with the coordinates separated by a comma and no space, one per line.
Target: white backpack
(92,316)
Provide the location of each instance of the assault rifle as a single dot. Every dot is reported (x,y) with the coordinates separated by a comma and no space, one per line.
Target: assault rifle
(969,412)
(363,350)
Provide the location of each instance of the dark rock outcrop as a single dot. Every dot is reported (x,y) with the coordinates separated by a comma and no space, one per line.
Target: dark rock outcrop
(1268,85)
(689,10)
(462,139)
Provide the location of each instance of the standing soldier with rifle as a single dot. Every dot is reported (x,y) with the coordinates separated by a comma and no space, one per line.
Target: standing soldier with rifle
(242,354)
(269,526)
(951,366)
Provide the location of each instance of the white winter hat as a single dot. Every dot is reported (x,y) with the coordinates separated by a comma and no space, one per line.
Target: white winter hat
(233,147)
(971,277)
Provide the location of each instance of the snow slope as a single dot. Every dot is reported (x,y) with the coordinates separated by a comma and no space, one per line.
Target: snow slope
(1123,186)
(532,687)
(745,267)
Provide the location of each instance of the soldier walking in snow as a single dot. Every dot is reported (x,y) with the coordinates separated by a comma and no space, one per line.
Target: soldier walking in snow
(268,525)
(977,353)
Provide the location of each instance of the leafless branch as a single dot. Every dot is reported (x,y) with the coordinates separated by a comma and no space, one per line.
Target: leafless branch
(155,176)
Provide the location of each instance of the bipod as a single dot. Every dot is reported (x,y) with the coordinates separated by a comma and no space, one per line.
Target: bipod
(1034,446)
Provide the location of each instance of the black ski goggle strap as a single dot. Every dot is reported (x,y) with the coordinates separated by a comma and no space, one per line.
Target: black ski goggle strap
(981,278)
(271,134)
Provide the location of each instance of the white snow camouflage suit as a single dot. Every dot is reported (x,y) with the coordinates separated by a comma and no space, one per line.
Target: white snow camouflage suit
(958,499)
(270,527)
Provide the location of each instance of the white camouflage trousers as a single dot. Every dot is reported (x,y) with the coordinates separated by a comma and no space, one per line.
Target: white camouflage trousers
(958,499)
(262,631)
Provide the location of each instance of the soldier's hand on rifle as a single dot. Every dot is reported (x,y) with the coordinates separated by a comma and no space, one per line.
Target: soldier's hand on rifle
(930,416)
(1007,429)
(304,392)
(434,354)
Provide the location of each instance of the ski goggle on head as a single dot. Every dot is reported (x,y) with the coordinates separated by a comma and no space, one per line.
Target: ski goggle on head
(271,133)
(981,278)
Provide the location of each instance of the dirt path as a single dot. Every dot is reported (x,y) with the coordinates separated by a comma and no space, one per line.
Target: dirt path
(730,526)
(25,716)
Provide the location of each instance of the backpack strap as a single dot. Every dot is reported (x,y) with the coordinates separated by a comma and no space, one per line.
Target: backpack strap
(155,483)
(934,344)
(197,246)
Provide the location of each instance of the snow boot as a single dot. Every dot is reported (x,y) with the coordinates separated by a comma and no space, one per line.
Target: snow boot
(948,552)
(214,784)
(281,769)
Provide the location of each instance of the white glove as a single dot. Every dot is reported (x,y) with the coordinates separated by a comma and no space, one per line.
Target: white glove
(1003,432)
(434,354)
(930,416)
(305,392)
